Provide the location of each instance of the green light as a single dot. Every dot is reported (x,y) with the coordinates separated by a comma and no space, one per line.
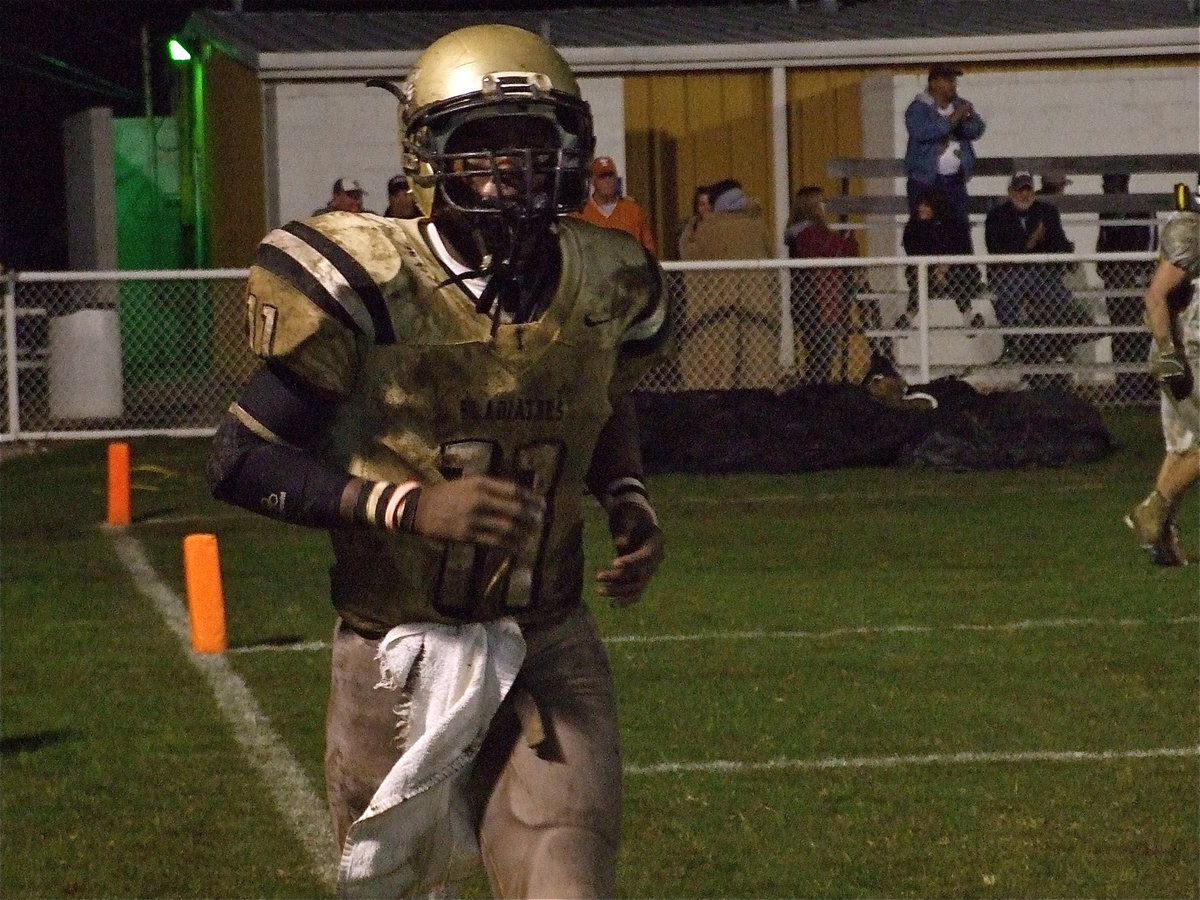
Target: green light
(177,51)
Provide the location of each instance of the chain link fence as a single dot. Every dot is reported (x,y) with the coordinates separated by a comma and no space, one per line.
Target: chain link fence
(122,353)
(130,353)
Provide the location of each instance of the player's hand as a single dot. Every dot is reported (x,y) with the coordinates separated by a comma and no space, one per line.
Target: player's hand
(640,548)
(1173,374)
(479,509)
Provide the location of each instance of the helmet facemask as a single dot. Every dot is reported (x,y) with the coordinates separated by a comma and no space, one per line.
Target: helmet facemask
(539,151)
(503,168)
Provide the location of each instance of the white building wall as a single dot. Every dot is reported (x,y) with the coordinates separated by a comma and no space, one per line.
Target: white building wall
(91,190)
(327,130)
(330,130)
(324,130)
(607,99)
(1082,112)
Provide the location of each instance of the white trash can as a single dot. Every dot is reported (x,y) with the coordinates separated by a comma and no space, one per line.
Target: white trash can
(85,365)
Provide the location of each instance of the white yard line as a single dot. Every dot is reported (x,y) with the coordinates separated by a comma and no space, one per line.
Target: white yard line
(289,787)
(1026,625)
(720,636)
(307,813)
(305,647)
(870,496)
(173,519)
(930,759)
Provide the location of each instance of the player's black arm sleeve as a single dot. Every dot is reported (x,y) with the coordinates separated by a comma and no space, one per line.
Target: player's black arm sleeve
(259,460)
(617,460)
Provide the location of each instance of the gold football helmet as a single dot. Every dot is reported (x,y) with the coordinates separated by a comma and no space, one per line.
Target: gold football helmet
(466,81)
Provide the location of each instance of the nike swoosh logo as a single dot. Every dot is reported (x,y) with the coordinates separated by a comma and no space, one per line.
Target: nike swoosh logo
(591,322)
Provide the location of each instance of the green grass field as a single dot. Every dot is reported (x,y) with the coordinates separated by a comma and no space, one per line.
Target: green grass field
(854,683)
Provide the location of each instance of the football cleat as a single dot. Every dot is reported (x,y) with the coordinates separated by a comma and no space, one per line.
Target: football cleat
(1148,519)
(1167,551)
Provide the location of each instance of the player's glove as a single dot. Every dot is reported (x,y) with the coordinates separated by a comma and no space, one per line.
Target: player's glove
(1173,374)
(637,539)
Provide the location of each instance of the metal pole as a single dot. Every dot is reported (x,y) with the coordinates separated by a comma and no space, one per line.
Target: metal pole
(151,141)
(781,196)
(10,354)
(923,317)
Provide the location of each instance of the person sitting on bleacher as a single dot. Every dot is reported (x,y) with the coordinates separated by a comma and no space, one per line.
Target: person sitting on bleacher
(1022,224)
(935,231)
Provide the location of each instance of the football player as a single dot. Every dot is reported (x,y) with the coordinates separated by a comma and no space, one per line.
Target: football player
(1173,317)
(440,393)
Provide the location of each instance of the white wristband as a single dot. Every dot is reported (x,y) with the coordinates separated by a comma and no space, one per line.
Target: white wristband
(394,514)
(635,500)
(628,490)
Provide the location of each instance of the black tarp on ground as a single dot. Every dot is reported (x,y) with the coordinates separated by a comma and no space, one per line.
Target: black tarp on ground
(836,425)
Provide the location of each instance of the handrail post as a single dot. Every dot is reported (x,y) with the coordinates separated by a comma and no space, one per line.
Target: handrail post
(923,317)
(787,336)
(10,353)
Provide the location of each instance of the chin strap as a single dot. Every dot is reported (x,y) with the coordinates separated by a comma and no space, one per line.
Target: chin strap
(518,252)
(518,275)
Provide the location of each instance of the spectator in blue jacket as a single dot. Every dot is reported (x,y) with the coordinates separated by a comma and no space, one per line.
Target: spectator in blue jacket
(941,128)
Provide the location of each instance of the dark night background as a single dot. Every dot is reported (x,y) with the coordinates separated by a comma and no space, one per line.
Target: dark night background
(58,57)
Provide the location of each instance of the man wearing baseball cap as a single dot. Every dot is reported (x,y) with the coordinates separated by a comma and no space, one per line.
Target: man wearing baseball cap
(1024,224)
(942,127)
(345,196)
(401,203)
(608,209)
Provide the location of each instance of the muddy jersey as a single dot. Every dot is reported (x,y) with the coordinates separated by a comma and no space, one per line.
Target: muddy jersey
(1179,242)
(430,389)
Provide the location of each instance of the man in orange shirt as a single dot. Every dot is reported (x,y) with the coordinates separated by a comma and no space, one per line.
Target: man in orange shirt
(608,209)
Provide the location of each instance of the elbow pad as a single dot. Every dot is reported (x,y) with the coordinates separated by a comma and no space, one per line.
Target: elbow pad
(273,479)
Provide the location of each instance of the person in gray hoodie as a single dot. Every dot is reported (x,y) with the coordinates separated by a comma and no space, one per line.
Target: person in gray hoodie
(942,128)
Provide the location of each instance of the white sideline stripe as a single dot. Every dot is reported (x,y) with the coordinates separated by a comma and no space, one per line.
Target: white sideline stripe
(307,646)
(865,495)
(935,759)
(1025,625)
(282,775)
(155,519)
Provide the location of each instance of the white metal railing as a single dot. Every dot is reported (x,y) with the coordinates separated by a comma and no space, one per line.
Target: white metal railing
(113,354)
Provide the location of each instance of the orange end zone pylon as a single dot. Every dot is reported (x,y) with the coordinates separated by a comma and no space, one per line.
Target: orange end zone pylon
(205,598)
(119,508)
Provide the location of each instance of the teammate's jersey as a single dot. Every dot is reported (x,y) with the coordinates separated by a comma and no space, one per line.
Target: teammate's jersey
(1179,242)
(360,306)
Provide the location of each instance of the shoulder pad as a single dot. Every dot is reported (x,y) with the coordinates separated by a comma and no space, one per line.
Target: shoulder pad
(318,290)
(337,261)
(1179,242)
(599,243)
(623,283)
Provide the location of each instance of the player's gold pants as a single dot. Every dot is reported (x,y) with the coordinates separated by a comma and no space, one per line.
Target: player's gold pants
(548,816)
